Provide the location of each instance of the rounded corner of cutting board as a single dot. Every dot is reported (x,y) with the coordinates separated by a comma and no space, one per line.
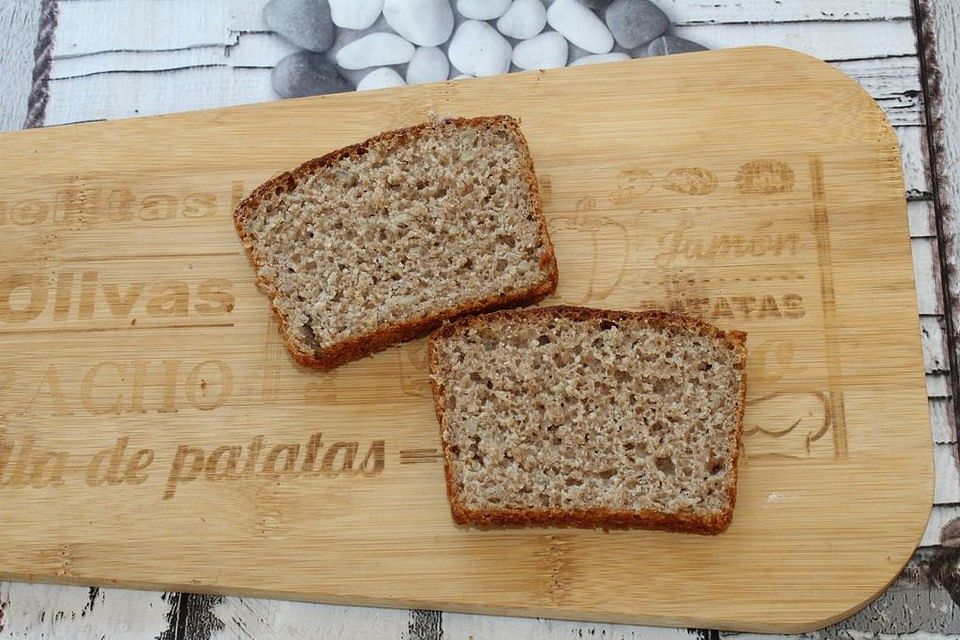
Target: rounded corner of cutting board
(811,70)
(841,610)
(843,83)
(824,619)
(809,621)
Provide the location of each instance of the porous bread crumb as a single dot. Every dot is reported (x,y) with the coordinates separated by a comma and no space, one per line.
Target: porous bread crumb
(385,239)
(561,415)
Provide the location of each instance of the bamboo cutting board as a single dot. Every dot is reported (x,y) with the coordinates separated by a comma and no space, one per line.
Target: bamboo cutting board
(154,433)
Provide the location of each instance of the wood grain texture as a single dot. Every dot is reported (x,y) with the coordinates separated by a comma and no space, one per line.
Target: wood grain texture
(18,33)
(815,257)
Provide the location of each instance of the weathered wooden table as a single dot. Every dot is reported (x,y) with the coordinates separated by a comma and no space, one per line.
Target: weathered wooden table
(82,60)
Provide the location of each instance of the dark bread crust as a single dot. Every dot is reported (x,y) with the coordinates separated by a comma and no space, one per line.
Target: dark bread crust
(385,336)
(605,518)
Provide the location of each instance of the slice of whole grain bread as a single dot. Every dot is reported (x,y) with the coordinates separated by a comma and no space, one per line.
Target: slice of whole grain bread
(592,418)
(382,241)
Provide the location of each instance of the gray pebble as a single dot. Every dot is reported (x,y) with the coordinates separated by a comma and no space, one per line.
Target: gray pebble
(346,36)
(426,23)
(306,73)
(576,52)
(305,23)
(635,22)
(666,45)
(597,5)
(457,21)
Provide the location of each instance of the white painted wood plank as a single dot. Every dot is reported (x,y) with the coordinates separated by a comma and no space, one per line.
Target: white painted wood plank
(252,618)
(56,612)
(826,40)
(461,626)
(122,25)
(934,343)
(947,478)
(258,50)
(938,385)
(125,95)
(942,421)
(894,82)
(19,20)
(715,11)
(916,163)
(920,214)
(926,273)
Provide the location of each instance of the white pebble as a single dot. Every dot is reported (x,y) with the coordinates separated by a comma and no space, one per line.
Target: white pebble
(545,51)
(423,22)
(381,78)
(462,76)
(482,9)
(524,19)
(355,14)
(375,50)
(580,26)
(477,49)
(598,58)
(429,64)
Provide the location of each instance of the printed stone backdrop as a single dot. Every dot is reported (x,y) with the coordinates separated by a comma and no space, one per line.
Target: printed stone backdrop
(372,44)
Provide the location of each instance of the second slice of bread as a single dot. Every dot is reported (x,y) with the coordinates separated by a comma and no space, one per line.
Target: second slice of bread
(574,416)
(381,241)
